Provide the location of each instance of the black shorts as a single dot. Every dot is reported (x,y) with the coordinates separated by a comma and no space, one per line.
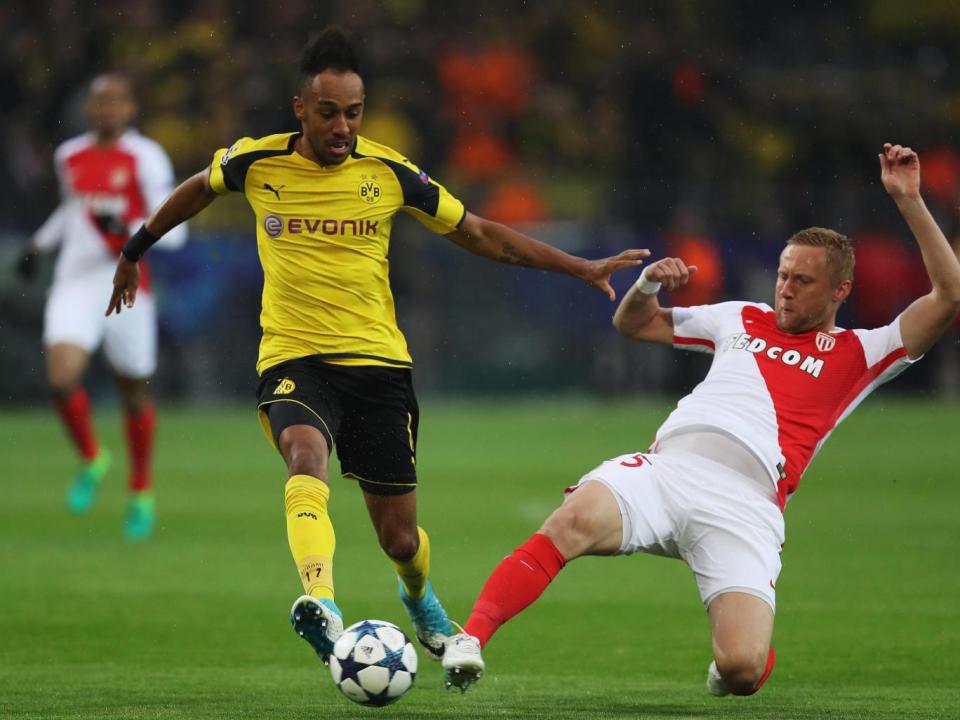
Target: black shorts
(368,413)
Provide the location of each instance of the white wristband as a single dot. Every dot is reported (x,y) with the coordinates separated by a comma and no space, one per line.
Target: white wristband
(647,287)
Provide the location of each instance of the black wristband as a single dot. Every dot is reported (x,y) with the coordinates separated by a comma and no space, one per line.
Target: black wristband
(138,244)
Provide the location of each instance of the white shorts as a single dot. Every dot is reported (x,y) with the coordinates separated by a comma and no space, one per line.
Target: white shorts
(75,315)
(726,526)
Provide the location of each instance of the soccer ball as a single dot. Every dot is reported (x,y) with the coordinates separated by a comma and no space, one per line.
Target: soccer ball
(373,662)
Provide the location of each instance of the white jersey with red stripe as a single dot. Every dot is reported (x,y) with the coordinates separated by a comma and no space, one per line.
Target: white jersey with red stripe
(106,193)
(779,394)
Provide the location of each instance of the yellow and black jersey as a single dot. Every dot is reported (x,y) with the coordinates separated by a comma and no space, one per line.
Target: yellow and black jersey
(323,234)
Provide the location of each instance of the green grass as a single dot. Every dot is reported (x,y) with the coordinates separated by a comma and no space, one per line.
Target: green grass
(193,624)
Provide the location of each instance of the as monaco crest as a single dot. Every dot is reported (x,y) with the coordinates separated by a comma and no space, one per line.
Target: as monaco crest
(825,342)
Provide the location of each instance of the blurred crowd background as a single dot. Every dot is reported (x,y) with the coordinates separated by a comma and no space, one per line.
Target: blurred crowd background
(708,130)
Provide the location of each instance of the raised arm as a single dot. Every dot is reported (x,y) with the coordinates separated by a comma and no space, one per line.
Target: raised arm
(189,198)
(926,319)
(504,244)
(639,315)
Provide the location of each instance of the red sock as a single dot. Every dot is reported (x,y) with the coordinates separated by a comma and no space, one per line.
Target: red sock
(515,583)
(140,427)
(771,660)
(75,411)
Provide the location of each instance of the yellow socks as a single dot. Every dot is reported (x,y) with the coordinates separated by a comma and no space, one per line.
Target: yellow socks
(310,533)
(414,571)
(312,541)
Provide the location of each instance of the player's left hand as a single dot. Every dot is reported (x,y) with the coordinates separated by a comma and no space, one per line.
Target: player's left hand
(900,171)
(597,272)
(26,267)
(126,280)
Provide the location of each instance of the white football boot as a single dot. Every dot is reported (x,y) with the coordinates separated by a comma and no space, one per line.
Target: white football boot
(319,622)
(462,662)
(715,683)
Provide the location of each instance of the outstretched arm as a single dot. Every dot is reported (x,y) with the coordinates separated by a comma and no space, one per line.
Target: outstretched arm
(639,316)
(504,244)
(925,320)
(189,198)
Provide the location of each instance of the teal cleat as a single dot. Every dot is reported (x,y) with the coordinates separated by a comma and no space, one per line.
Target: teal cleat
(319,622)
(83,490)
(141,517)
(430,622)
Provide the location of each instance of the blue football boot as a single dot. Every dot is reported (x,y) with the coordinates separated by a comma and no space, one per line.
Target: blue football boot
(141,517)
(430,622)
(83,490)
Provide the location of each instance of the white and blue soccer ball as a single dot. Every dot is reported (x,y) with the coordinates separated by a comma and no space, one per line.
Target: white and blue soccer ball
(373,662)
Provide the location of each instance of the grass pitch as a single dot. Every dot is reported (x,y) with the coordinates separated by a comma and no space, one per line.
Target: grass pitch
(194,623)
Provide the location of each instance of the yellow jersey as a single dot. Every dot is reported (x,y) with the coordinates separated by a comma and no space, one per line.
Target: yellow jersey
(323,233)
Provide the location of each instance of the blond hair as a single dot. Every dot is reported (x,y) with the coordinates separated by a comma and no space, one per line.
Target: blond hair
(840,259)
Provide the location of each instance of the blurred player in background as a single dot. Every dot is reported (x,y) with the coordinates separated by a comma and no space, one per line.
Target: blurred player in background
(713,486)
(334,367)
(110,180)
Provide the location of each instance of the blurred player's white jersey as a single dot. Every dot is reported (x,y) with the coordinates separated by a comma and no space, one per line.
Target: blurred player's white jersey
(779,394)
(106,193)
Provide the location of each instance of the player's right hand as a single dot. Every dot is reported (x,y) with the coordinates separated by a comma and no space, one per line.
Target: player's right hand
(126,280)
(900,171)
(672,273)
(26,267)
(111,224)
(596,273)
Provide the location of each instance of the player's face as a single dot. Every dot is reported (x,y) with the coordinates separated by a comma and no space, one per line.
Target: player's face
(110,105)
(330,112)
(807,299)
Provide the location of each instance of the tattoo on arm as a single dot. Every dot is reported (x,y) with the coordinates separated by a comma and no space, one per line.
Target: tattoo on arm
(509,254)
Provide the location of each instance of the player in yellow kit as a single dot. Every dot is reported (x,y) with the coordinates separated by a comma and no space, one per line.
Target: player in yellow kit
(334,367)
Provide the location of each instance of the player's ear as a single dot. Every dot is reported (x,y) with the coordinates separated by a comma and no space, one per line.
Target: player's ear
(299,108)
(843,291)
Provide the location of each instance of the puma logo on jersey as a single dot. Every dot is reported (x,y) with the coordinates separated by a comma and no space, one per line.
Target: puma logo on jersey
(745,341)
(285,387)
(275,190)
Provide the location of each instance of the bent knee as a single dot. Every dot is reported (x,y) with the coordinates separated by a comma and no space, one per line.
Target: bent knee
(588,523)
(63,383)
(741,670)
(306,460)
(400,546)
(61,391)
(304,453)
(569,529)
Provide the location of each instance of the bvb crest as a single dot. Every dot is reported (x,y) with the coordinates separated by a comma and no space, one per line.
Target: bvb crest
(369,190)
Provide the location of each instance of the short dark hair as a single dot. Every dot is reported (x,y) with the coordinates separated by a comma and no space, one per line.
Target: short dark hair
(330,49)
(840,259)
